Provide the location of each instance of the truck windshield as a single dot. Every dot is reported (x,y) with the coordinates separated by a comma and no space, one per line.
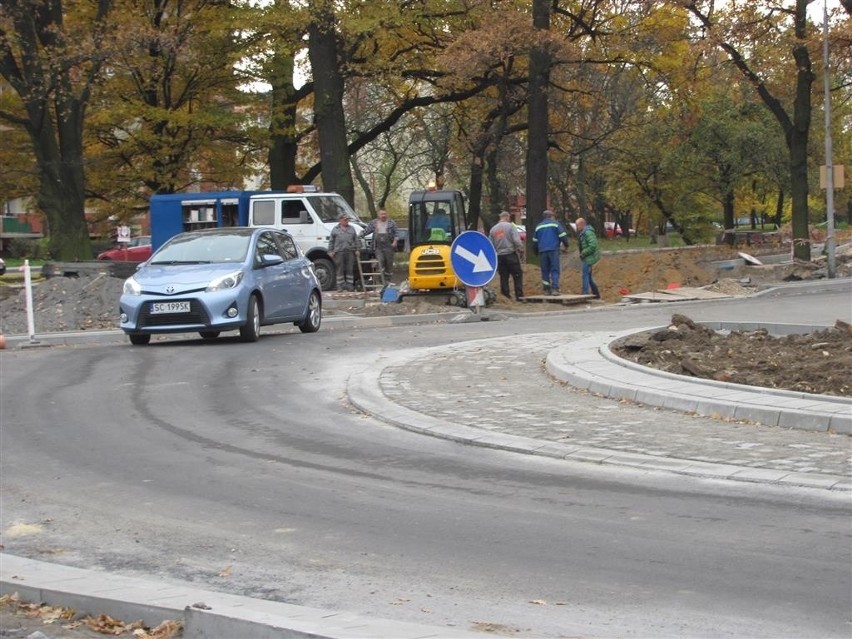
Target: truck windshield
(192,248)
(329,207)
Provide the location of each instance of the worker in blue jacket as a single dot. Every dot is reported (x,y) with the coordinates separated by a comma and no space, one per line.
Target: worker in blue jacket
(549,234)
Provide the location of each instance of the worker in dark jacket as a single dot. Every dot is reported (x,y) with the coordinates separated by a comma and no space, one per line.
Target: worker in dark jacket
(549,234)
(343,249)
(590,254)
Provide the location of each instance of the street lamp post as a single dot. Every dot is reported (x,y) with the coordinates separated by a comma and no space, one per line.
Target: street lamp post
(829,168)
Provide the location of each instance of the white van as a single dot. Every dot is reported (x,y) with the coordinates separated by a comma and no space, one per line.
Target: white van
(308,215)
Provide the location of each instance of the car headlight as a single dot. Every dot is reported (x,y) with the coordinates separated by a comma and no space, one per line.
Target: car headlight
(231,280)
(131,287)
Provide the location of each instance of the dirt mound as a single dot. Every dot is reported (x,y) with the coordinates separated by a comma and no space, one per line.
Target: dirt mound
(618,274)
(813,363)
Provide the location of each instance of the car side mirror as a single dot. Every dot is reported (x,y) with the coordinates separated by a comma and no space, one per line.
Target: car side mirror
(271,260)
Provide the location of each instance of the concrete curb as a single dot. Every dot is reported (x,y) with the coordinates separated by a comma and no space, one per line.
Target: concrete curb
(590,364)
(204,613)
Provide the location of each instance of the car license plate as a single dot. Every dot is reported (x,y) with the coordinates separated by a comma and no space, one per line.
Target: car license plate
(158,308)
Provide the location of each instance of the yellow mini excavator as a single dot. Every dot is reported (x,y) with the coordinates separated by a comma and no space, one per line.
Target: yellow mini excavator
(435,218)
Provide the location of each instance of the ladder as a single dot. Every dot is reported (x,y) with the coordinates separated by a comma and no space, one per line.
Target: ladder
(372,277)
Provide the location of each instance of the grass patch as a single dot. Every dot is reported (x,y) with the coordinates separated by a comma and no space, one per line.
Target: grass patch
(641,242)
(15,262)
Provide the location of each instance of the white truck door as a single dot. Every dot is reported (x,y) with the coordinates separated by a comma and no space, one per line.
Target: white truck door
(296,219)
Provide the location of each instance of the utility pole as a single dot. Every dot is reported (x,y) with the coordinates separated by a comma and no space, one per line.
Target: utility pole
(829,167)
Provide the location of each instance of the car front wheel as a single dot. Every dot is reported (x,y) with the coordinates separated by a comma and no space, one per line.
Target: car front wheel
(313,315)
(250,331)
(139,339)
(209,334)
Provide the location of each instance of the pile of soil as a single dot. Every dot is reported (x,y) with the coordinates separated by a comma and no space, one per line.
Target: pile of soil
(813,363)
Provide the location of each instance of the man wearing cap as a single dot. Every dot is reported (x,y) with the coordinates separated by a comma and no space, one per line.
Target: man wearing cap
(343,249)
(549,234)
(507,242)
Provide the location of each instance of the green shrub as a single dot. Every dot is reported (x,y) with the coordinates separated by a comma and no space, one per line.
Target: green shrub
(31,249)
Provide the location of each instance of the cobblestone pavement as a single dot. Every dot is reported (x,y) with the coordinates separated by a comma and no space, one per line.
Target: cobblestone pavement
(500,385)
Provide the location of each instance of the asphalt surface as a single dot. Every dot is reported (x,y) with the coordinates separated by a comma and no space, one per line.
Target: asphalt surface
(734,433)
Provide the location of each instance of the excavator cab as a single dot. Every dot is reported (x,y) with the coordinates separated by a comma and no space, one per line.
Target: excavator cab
(435,219)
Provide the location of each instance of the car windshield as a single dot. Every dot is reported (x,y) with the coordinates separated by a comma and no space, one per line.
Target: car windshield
(204,249)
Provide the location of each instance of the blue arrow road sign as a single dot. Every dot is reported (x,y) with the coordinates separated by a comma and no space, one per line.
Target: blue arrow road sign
(473,258)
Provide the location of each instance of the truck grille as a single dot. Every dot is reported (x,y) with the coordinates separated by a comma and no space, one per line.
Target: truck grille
(196,315)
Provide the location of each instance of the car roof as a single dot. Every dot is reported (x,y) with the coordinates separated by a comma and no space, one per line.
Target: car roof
(235,230)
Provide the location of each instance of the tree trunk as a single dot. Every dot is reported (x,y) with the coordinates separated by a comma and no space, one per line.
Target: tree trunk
(474,211)
(367,188)
(582,200)
(797,138)
(61,193)
(728,215)
(495,195)
(283,144)
(538,130)
(779,209)
(329,115)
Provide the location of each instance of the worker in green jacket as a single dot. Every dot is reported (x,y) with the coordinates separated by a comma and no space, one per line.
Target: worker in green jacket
(590,254)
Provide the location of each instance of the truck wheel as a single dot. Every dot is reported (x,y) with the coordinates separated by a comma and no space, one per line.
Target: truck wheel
(313,316)
(250,331)
(139,339)
(324,268)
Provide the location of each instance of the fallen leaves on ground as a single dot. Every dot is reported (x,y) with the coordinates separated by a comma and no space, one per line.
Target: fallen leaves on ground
(102,624)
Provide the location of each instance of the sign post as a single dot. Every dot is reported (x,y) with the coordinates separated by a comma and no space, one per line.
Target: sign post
(474,261)
(28,296)
(122,236)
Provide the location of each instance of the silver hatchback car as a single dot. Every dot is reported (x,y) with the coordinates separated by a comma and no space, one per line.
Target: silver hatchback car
(218,280)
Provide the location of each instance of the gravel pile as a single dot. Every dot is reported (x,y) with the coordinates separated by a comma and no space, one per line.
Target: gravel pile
(85,303)
(730,287)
